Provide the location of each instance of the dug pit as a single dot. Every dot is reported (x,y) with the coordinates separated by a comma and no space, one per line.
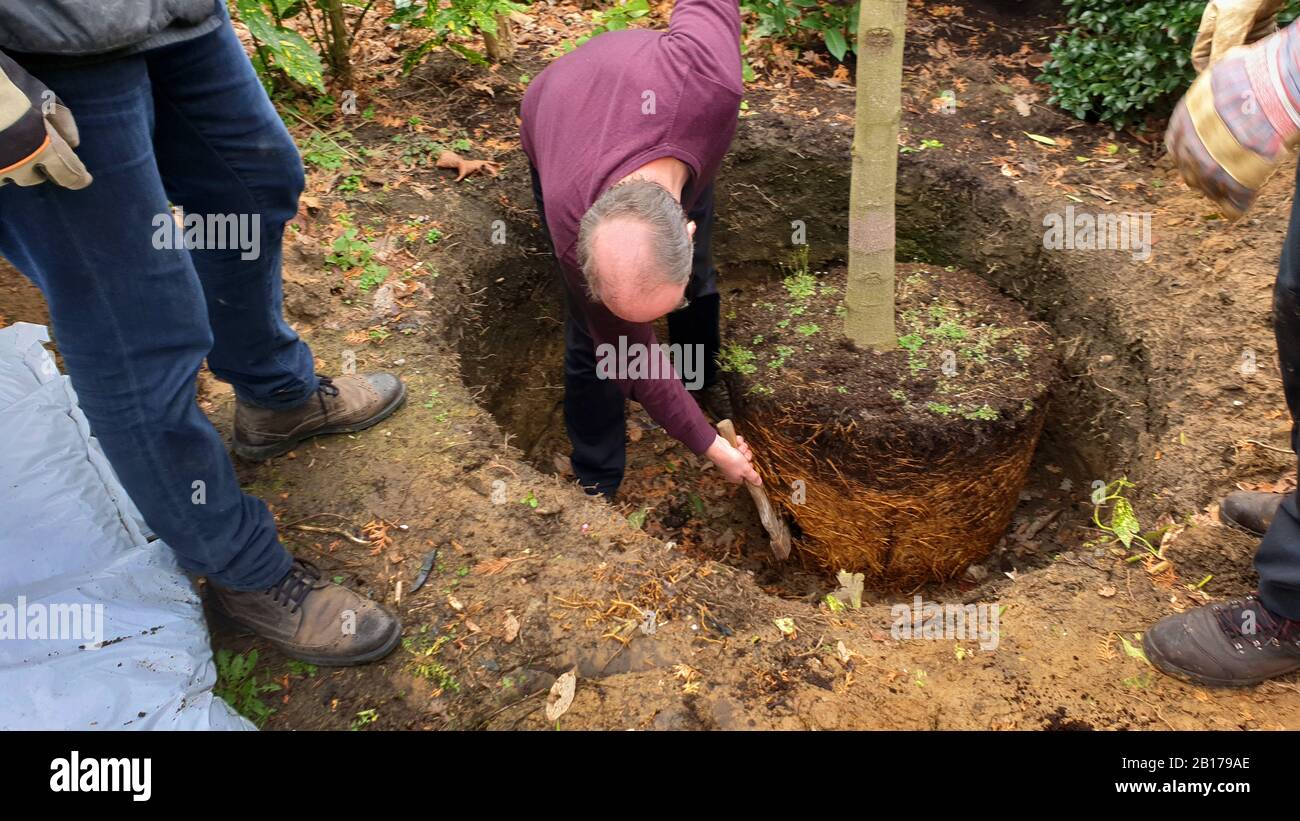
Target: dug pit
(512,356)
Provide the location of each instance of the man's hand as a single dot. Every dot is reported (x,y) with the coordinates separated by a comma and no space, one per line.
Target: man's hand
(37,133)
(1228,23)
(1236,123)
(734,462)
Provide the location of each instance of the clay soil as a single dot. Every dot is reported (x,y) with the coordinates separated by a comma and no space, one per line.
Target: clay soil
(530,579)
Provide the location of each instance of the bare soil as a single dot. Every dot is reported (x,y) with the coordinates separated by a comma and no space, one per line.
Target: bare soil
(532,579)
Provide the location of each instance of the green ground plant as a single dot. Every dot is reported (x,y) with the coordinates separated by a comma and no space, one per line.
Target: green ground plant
(443,21)
(239,685)
(800,22)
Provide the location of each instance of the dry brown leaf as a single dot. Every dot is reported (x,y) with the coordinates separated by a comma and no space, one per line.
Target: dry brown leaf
(561,695)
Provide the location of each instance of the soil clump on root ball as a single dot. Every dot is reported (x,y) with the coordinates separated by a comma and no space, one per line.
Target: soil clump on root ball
(904,465)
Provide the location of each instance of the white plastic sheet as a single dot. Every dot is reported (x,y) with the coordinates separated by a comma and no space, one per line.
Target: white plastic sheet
(99,628)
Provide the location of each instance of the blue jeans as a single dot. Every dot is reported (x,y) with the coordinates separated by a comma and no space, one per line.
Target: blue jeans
(1278,557)
(189,125)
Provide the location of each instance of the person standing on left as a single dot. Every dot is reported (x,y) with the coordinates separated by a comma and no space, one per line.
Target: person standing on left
(110,114)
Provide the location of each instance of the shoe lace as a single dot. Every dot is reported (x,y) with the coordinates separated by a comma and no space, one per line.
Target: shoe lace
(292,589)
(1260,627)
(325,387)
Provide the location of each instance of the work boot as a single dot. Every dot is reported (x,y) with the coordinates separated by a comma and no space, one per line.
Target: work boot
(1231,644)
(343,405)
(1250,510)
(312,619)
(715,400)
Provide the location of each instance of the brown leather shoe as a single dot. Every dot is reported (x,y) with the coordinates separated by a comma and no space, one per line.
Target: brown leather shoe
(312,619)
(1250,510)
(343,405)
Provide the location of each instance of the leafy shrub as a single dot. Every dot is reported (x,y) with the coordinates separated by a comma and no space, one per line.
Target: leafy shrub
(1124,60)
(458,17)
(617,17)
(796,20)
(278,47)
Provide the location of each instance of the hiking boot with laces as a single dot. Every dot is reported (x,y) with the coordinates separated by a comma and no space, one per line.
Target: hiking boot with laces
(1231,644)
(341,405)
(312,619)
(715,400)
(1250,510)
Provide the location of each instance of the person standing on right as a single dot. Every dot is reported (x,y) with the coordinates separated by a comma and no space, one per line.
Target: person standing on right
(1227,136)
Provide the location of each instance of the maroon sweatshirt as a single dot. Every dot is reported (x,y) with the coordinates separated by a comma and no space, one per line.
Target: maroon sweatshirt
(619,101)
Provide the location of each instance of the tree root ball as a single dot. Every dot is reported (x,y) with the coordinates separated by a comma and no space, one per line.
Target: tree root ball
(904,465)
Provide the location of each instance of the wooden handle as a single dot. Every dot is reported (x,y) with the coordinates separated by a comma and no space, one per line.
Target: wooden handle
(728,431)
(772,522)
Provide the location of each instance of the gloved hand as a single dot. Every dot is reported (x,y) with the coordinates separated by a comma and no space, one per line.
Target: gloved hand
(37,133)
(1236,123)
(1228,23)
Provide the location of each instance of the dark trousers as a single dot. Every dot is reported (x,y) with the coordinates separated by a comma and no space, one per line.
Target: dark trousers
(188,125)
(1278,558)
(594,407)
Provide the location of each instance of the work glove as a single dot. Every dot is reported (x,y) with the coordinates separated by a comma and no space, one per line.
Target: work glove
(37,133)
(1239,119)
(1229,23)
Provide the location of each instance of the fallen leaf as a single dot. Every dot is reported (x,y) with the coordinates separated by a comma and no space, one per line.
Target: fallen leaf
(1131,650)
(851,585)
(785,625)
(637,518)
(561,696)
(1038,138)
(562,465)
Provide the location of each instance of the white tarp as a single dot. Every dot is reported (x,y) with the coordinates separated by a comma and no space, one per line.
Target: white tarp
(99,628)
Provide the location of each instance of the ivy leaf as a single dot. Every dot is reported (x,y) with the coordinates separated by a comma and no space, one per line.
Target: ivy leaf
(1124,521)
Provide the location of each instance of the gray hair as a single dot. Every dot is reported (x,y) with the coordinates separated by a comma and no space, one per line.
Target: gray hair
(650,204)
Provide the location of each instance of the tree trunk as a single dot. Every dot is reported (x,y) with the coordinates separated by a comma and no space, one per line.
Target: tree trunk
(500,46)
(869,301)
(340,49)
